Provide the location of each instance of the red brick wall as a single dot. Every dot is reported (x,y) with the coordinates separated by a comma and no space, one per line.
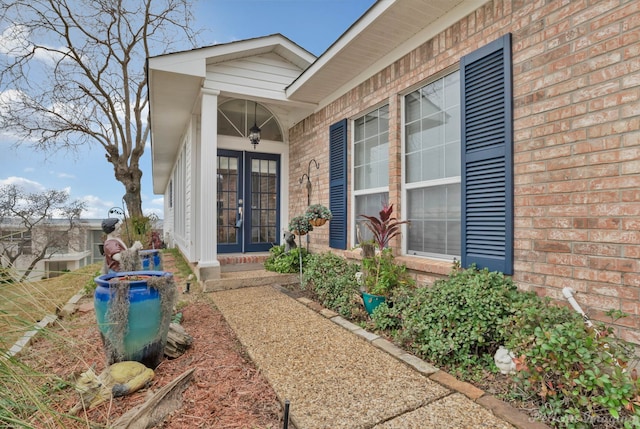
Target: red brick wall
(576,78)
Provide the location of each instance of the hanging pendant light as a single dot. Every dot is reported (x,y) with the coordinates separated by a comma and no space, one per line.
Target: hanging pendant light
(254,132)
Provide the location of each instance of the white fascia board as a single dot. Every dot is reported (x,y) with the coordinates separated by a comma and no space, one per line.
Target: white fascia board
(188,63)
(450,18)
(376,10)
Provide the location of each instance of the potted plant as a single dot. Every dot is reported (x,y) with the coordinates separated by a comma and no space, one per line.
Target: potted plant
(318,214)
(381,273)
(300,225)
(133,311)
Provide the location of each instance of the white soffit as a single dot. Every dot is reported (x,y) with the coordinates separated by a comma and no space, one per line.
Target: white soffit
(387,31)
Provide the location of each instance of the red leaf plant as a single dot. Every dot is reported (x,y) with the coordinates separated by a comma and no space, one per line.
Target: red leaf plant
(384,227)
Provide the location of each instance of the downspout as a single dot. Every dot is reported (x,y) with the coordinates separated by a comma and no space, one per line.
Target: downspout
(569,294)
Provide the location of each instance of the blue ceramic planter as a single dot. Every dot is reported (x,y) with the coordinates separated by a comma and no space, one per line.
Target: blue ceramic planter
(150,260)
(145,333)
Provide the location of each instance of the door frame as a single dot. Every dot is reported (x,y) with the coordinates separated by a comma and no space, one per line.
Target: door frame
(245,158)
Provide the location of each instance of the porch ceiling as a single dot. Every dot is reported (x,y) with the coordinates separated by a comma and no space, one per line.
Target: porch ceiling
(387,28)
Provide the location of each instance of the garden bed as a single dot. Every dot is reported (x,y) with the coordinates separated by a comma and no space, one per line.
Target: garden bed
(227,391)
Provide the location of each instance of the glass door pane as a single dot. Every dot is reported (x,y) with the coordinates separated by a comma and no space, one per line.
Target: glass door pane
(262,209)
(229,184)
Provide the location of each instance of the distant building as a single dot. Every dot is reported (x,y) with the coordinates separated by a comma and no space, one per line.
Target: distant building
(67,250)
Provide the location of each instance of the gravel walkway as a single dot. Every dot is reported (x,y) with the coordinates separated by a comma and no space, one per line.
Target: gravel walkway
(334,378)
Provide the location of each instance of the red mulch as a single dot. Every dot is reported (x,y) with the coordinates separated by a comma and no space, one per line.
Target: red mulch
(226,391)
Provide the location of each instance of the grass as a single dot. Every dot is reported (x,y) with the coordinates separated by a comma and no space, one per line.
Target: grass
(31,393)
(26,394)
(24,304)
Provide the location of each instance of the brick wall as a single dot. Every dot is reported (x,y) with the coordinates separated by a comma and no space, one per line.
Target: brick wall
(576,143)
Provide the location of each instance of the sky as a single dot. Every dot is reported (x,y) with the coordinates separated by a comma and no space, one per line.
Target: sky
(87,176)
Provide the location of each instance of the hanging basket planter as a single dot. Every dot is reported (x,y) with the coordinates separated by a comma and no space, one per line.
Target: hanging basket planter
(318,214)
(300,225)
(317,222)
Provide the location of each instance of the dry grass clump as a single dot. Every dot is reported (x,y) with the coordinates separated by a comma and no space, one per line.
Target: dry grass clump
(25,303)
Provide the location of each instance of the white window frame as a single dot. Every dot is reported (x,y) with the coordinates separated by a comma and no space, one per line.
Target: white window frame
(357,193)
(406,187)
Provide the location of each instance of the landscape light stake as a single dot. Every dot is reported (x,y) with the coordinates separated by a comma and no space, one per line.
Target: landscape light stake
(286,414)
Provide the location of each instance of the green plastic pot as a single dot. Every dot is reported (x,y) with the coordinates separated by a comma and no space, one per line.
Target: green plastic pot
(371,302)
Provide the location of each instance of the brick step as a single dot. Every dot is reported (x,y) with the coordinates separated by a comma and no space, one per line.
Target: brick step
(235,262)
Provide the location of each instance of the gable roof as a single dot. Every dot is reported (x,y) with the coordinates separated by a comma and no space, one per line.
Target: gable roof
(387,31)
(175,82)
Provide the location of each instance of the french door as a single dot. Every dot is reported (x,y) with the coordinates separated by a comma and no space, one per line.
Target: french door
(248,201)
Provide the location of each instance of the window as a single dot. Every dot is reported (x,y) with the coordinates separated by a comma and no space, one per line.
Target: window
(432,168)
(17,241)
(180,180)
(370,166)
(236,117)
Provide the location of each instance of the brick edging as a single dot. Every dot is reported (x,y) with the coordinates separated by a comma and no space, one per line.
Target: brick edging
(25,340)
(497,406)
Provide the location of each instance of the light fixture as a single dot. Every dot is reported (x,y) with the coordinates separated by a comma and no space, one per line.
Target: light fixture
(254,132)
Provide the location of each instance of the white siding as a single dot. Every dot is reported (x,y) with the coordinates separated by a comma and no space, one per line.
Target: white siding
(263,75)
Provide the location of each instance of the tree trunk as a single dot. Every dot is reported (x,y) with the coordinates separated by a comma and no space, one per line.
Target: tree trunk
(130,177)
(133,200)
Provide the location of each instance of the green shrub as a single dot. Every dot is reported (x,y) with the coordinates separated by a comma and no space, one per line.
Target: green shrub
(333,280)
(572,373)
(285,263)
(457,321)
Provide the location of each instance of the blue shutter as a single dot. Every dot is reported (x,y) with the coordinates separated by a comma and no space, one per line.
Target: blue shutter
(487,157)
(338,184)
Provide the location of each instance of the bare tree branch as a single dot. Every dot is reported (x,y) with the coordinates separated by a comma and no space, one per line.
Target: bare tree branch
(27,227)
(72,73)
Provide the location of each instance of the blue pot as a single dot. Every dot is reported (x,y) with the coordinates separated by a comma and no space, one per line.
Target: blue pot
(371,302)
(151,259)
(145,333)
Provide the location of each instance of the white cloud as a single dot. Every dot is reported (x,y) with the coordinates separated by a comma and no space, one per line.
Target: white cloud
(14,42)
(96,208)
(65,176)
(26,184)
(9,97)
(158,201)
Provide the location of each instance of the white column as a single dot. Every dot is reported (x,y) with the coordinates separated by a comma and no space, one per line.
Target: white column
(208,265)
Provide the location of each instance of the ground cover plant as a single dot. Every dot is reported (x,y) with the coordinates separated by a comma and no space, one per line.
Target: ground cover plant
(283,262)
(333,281)
(567,375)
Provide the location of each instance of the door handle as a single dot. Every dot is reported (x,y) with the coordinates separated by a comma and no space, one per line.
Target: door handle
(239,218)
